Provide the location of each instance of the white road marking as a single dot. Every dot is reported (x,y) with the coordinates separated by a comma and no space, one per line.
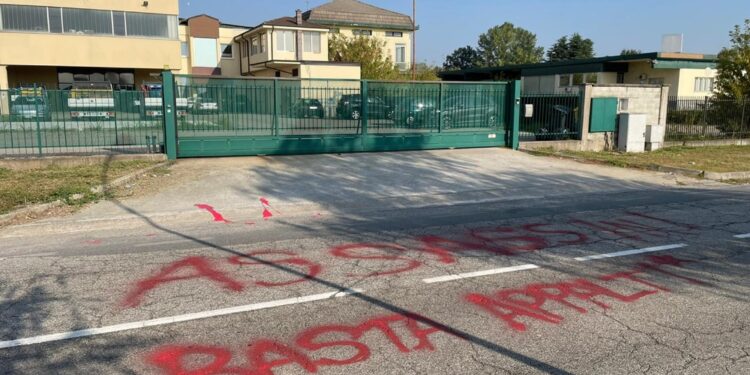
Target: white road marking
(172,319)
(631,252)
(496,271)
(742,236)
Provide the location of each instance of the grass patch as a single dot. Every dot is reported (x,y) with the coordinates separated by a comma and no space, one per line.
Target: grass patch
(24,187)
(713,159)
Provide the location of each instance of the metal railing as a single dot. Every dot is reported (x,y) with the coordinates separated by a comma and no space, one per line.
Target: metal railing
(550,117)
(37,122)
(707,118)
(281,107)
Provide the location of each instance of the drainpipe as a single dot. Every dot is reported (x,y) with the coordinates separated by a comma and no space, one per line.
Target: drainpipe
(298,18)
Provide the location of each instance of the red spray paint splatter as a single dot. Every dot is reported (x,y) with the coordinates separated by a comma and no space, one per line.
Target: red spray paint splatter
(313,269)
(94,242)
(265,355)
(267,214)
(217,216)
(203,270)
(350,252)
(250,223)
(528,302)
(151,235)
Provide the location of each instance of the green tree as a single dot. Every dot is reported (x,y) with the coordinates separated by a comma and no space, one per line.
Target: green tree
(571,48)
(733,79)
(366,51)
(508,45)
(630,52)
(463,58)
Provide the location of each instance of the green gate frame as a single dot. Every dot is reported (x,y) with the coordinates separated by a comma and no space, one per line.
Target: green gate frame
(216,146)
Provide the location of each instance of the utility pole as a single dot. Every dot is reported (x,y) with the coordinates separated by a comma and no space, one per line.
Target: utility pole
(414,40)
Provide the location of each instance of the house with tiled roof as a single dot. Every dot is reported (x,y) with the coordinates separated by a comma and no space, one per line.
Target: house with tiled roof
(298,46)
(356,18)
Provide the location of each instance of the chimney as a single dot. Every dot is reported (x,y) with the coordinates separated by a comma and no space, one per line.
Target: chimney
(298,15)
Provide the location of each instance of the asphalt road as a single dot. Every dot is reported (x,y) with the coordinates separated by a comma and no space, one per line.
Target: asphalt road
(649,280)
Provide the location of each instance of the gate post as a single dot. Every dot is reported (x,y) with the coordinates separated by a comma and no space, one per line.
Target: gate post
(365,107)
(515,114)
(276,106)
(170,114)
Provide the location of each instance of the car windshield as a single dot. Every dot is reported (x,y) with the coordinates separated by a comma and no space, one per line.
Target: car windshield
(26,101)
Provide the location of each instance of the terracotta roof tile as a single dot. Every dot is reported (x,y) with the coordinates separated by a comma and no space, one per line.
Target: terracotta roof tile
(354,12)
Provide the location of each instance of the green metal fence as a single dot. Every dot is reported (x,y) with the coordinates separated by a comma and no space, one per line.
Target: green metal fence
(280,116)
(706,118)
(551,117)
(38,122)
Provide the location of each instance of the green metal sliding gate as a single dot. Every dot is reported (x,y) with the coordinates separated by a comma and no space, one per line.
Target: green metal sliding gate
(236,117)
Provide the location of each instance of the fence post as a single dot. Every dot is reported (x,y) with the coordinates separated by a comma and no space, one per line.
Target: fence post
(440,107)
(38,126)
(364,88)
(515,113)
(170,114)
(276,106)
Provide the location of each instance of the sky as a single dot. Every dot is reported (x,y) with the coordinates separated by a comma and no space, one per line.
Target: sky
(449,24)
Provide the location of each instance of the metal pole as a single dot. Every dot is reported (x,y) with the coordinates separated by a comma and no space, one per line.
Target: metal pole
(38,126)
(414,41)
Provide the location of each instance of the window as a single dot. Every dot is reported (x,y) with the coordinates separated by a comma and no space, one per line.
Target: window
(204,53)
(55,20)
(394,34)
(118,23)
(87,21)
(359,32)
(227,51)
(400,54)
(285,41)
(704,85)
(23,18)
(311,42)
(565,81)
(263,43)
(151,25)
(243,48)
(255,49)
(185,48)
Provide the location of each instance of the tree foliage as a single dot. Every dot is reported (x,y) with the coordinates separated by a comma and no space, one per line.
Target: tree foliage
(571,48)
(463,58)
(366,51)
(733,80)
(508,45)
(630,52)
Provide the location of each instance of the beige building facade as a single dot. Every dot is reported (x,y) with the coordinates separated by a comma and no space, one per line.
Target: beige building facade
(55,43)
(685,74)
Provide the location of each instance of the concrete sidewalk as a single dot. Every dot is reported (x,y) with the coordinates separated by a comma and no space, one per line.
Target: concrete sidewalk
(352,185)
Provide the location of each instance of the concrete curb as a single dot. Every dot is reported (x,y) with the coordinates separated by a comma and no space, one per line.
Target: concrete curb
(39,208)
(695,173)
(727,176)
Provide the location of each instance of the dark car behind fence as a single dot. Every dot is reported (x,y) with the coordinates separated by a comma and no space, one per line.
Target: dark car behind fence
(59,122)
(550,117)
(705,118)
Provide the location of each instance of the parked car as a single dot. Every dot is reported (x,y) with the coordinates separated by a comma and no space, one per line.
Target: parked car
(417,111)
(468,111)
(30,107)
(350,107)
(308,108)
